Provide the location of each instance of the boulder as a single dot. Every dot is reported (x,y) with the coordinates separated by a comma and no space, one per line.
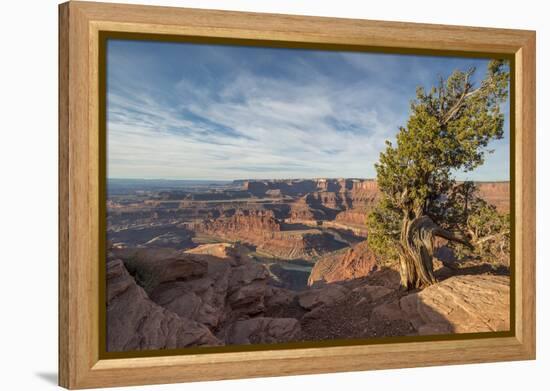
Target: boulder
(137,323)
(460,304)
(247,289)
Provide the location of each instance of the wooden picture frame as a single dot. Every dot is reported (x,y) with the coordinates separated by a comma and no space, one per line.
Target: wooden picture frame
(80,166)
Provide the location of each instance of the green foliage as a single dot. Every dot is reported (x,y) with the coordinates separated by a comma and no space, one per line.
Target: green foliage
(487,229)
(449,129)
(384,229)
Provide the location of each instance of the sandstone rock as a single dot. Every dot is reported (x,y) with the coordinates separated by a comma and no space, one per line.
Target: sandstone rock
(305,244)
(134,322)
(356,216)
(261,229)
(202,287)
(154,267)
(360,194)
(495,193)
(169,236)
(278,296)
(247,273)
(373,292)
(247,289)
(202,300)
(243,221)
(248,299)
(356,262)
(460,304)
(263,330)
(219,250)
(302,209)
(118,280)
(329,294)
(388,312)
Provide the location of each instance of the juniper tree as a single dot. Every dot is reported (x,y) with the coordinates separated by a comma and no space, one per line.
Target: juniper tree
(448,129)
(487,229)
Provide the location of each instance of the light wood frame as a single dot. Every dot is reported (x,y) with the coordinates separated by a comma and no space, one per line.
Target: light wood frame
(79,25)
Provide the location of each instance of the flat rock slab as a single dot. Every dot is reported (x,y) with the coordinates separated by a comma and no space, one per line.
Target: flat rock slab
(461,304)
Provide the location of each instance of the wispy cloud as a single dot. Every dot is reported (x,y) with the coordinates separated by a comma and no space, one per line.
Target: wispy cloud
(174,112)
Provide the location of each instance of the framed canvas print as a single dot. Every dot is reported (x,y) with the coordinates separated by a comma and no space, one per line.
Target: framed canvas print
(247,195)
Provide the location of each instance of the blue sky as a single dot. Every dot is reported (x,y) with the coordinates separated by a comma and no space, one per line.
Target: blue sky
(190,111)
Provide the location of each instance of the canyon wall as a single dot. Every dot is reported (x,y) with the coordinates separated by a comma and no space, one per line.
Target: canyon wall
(262,230)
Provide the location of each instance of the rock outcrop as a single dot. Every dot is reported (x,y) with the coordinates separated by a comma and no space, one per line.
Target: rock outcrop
(262,230)
(169,299)
(355,262)
(215,295)
(460,304)
(302,210)
(137,323)
(242,221)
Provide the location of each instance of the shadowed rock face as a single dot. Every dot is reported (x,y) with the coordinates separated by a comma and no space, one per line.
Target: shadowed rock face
(184,298)
(344,200)
(460,304)
(263,330)
(356,262)
(326,295)
(303,209)
(137,323)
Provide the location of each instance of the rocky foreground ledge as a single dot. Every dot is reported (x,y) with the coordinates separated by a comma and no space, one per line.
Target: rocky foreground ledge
(216,295)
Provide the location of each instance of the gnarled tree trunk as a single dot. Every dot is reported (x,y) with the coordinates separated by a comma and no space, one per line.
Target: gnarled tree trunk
(416,249)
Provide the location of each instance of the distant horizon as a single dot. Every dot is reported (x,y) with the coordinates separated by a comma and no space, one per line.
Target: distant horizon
(274,179)
(199,110)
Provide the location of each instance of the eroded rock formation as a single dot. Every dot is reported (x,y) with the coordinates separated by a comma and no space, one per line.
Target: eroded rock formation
(262,230)
(170,299)
(135,322)
(355,262)
(496,193)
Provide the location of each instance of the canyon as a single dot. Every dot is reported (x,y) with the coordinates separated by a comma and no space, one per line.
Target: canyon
(213,263)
